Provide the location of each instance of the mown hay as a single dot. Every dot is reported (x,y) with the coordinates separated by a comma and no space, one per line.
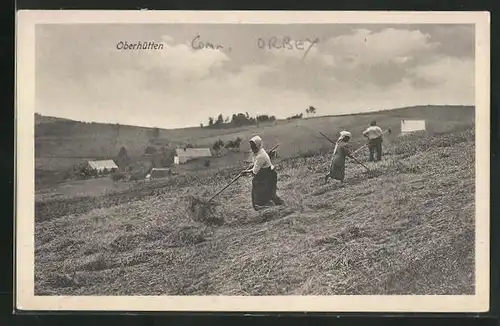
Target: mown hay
(273,213)
(368,237)
(125,242)
(203,211)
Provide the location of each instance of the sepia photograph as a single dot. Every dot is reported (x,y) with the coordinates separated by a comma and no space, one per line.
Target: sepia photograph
(260,161)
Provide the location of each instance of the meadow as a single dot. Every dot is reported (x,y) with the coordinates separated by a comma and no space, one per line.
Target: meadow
(407,227)
(61,143)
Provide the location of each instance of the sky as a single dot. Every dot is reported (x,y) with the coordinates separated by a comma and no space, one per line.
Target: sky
(82,75)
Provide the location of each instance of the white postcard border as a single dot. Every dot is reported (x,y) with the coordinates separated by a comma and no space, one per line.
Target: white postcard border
(24,226)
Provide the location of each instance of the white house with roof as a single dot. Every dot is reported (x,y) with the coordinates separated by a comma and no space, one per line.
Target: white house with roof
(183,155)
(409,126)
(102,165)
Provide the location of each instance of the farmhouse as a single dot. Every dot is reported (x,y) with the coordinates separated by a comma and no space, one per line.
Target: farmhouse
(183,155)
(101,166)
(409,126)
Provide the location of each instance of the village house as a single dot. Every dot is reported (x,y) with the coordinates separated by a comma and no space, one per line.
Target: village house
(409,126)
(102,166)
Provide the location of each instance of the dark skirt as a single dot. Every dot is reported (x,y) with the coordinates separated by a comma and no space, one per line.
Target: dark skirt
(337,169)
(264,186)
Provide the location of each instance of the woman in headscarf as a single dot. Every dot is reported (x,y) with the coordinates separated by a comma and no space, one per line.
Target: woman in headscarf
(265,178)
(337,167)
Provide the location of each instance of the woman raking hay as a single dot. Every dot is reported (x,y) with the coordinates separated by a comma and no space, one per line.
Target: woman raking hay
(337,167)
(265,178)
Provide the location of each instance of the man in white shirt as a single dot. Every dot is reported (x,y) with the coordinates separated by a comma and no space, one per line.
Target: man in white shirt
(374,134)
(265,178)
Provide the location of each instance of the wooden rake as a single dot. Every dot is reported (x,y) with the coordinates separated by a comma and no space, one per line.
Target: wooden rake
(355,160)
(235,179)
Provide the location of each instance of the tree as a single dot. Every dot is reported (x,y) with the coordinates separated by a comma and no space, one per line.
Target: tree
(311,110)
(218,145)
(210,121)
(167,158)
(237,142)
(150,150)
(220,120)
(122,153)
(122,159)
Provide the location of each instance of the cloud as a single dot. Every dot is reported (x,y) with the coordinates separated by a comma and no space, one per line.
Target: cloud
(454,74)
(301,49)
(455,40)
(178,86)
(360,58)
(365,48)
(182,62)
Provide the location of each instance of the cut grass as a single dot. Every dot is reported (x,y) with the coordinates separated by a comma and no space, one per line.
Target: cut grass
(407,230)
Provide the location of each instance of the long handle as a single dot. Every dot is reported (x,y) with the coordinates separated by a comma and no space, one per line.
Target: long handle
(351,156)
(355,160)
(230,183)
(272,149)
(331,141)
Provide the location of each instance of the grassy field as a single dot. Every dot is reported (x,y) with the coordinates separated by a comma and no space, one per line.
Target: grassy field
(60,144)
(405,228)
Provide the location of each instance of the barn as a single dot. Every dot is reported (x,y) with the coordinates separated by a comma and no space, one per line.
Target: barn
(183,155)
(409,126)
(102,166)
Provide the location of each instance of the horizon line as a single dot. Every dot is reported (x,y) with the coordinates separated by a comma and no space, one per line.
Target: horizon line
(281,119)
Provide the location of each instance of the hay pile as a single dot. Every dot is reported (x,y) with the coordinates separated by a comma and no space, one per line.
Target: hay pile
(203,211)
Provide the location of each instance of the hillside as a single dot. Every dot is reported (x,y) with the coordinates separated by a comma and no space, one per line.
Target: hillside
(405,228)
(60,143)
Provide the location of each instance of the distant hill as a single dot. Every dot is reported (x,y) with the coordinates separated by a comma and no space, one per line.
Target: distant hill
(41,119)
(59,142)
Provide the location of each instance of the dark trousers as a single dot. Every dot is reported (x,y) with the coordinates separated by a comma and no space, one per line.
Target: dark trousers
(264,187)
(375,146)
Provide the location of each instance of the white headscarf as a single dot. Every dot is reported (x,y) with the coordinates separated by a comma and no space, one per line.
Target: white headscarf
(257,141)
(343,134)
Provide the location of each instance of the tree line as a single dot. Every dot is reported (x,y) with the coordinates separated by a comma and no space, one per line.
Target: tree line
(237,120)
(244,119)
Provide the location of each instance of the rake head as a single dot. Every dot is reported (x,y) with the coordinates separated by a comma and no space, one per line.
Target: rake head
(203,210)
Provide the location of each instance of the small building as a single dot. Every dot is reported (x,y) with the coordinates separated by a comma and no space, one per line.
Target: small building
(183,155)
(156,173)
(409,126)
(101,166)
